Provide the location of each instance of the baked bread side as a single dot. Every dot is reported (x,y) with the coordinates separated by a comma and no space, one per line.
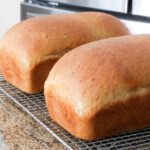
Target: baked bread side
(105,90)
(29,49)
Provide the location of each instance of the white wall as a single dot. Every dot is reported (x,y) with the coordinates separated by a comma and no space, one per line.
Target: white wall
(136,27)
(9,14)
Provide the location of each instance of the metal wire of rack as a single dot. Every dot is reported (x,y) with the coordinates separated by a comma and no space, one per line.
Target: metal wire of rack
(34,105)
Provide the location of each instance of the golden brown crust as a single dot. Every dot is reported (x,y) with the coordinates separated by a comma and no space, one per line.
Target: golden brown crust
(105,90)
(35,39)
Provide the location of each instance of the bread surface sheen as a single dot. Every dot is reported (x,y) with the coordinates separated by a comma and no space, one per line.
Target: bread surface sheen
(102,88)
(30,49)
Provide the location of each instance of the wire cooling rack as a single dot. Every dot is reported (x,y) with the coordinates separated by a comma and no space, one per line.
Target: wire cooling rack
(34,105)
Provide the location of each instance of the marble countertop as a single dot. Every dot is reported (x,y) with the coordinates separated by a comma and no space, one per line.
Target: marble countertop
(19,132)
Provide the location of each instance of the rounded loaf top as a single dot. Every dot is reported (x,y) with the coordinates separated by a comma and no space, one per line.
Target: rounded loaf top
(42,36)
(92,75)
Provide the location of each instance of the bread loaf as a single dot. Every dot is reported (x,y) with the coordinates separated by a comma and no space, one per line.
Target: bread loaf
(102,88)
(29,49)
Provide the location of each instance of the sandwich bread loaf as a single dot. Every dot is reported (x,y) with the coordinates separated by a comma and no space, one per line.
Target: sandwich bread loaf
(29,50)
(102,88)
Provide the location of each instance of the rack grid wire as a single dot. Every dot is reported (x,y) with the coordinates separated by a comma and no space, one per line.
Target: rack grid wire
(34,105)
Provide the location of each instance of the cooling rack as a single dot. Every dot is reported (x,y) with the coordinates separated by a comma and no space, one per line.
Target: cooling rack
(34,105)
